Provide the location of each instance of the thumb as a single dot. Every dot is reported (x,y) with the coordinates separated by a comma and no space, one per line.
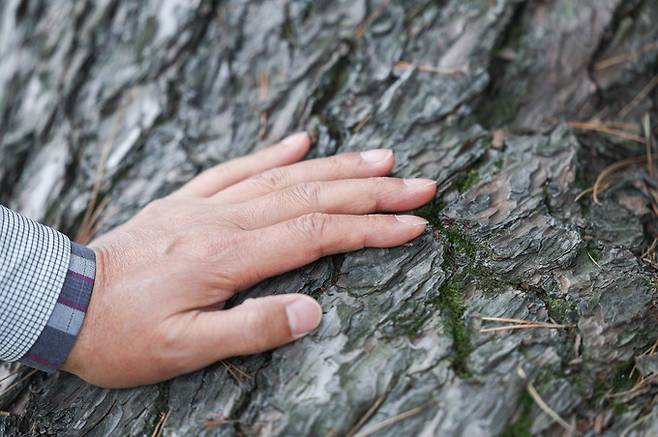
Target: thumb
(256,325)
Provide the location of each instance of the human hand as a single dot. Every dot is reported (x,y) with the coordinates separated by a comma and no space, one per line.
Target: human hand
(163,277)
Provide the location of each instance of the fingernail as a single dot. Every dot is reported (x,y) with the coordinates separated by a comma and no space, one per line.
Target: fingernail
(304,315)
(412,220)
(376,156)
(419,183)
(295,139)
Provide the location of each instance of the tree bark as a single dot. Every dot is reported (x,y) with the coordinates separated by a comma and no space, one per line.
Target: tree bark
(141,96)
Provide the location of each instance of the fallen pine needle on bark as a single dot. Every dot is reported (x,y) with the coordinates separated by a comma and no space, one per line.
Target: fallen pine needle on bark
(599,183)
(393,420)
(237,372)
(506,319)
(639,385)
(157,432)
(15,383)
(639,97)
(602,127)
(532,326)
(404,65)
(216,420)
(520,324)
(620,59)
(9,375)
(534,394)
(593,260)
(365,417)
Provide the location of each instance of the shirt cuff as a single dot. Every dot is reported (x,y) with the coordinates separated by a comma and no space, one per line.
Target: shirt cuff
(56,340)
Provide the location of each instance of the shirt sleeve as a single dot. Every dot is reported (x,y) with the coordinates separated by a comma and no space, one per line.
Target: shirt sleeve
(45,287)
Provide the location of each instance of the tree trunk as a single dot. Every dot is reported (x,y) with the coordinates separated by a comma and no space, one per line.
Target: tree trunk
(481,95)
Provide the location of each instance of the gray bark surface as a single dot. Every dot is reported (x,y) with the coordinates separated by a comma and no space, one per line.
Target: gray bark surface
(167,88)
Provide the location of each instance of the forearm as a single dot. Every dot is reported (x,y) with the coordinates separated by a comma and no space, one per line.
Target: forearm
(45,287)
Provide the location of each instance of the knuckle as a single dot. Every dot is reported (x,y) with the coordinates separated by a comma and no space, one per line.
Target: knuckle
(254,325)
(166,339)
(164,347)
(218,245)
(313,225)
(272,179)
(338,162)
(307,194)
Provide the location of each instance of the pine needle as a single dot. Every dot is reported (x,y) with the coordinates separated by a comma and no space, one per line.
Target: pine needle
(534,394)
(506,319)
(157,432)
(620,59)
(404,65)
(598,184)
(598,126)
(533,326)
(237,372)
(366,417)
(520,324)
(27,376)
(641,96)
(393,420)
(593,260)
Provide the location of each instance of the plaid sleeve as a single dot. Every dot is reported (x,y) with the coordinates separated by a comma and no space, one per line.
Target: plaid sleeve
(45,288)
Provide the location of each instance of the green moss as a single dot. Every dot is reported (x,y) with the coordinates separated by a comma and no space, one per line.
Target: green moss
(522,423)
(498,165)
(467,181)
(411,319)
(431,212)
(461,243)
(559,309)
(451,303)
(287,30)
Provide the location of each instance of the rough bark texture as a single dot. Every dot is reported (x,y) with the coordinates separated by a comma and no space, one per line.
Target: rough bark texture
(168,88)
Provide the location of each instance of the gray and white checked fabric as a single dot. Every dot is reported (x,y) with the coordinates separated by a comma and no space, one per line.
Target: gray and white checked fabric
(34,260)
(53,346)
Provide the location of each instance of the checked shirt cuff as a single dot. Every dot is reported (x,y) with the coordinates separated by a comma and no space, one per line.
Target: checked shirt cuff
(52,347)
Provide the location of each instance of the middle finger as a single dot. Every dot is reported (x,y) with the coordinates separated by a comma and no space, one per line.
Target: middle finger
(378,162)
(349,196)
